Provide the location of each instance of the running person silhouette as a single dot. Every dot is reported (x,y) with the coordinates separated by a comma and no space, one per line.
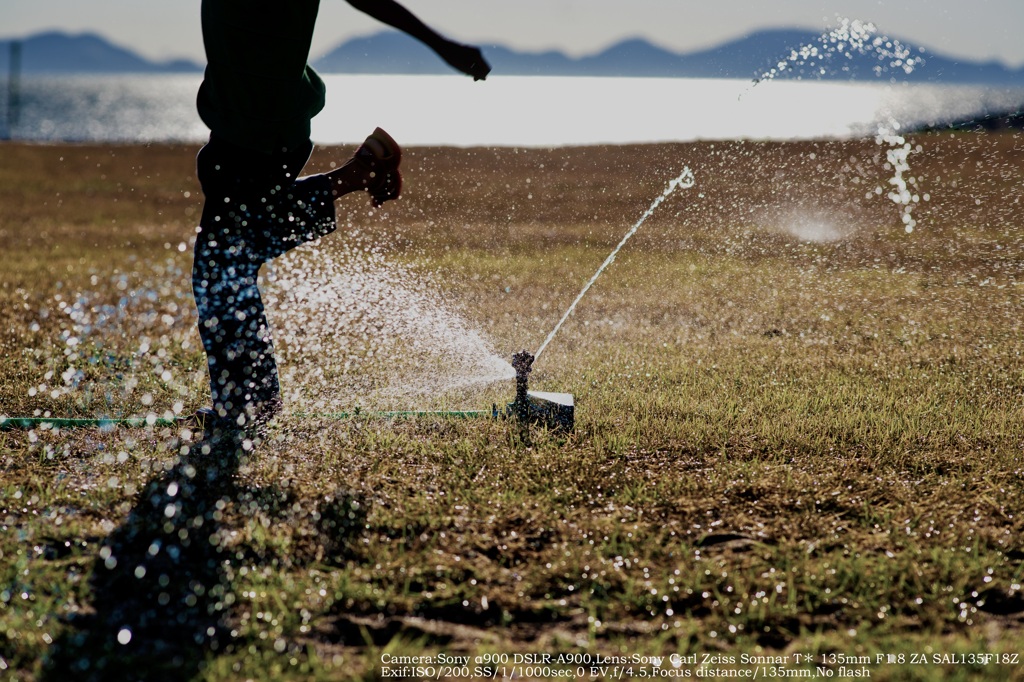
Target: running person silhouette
(258,97)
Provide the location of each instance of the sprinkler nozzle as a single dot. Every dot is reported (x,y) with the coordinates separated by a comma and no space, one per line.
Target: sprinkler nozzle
(522,363)
(553,410)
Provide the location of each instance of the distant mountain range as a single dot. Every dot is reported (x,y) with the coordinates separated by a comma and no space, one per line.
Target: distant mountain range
(55,52)
(393,52)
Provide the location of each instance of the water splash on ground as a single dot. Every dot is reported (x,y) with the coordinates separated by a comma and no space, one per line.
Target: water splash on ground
(813,227)
(124,347)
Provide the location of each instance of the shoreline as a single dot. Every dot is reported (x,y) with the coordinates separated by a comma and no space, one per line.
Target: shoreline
(989,126)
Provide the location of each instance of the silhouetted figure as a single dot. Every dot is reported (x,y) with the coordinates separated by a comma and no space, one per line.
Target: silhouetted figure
(258,97)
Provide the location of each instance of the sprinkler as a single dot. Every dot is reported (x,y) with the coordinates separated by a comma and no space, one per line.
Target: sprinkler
(556,411)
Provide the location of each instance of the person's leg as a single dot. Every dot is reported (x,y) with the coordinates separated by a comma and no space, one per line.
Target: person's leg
(245,193)
(289,210)
(295,211)
(240,355)
(255,210)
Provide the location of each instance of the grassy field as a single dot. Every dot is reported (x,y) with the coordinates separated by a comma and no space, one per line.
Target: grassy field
(798,426)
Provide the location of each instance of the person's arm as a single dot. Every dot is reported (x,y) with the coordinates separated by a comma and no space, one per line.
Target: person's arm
(465,58)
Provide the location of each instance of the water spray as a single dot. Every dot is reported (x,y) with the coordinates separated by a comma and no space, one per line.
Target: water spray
(850,37)
(686,181)
(854,36)
(557,410)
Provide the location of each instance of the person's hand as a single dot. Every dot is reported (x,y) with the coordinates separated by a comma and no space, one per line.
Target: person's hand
(467,59)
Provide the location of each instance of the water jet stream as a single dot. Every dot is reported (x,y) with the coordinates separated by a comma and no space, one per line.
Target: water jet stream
(686,181)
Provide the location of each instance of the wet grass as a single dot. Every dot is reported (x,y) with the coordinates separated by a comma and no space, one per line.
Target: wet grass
(782,446)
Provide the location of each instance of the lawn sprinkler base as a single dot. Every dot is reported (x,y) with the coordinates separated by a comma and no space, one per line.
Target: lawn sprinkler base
(555,411)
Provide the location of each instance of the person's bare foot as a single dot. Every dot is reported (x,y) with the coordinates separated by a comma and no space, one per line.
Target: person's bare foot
(374,168)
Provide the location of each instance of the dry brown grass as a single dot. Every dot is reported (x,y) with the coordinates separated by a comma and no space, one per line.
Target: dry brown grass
(793,445)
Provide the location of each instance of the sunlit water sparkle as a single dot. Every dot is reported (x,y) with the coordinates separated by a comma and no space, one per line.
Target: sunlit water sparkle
(514,110)
(121,344)
(860,37)
(356,328)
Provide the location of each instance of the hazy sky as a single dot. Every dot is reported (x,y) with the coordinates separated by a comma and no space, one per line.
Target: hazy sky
(976,29)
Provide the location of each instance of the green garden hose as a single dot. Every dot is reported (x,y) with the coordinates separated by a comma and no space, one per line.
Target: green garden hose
(136,422)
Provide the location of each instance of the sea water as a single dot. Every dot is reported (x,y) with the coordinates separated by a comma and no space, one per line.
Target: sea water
(511,110)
